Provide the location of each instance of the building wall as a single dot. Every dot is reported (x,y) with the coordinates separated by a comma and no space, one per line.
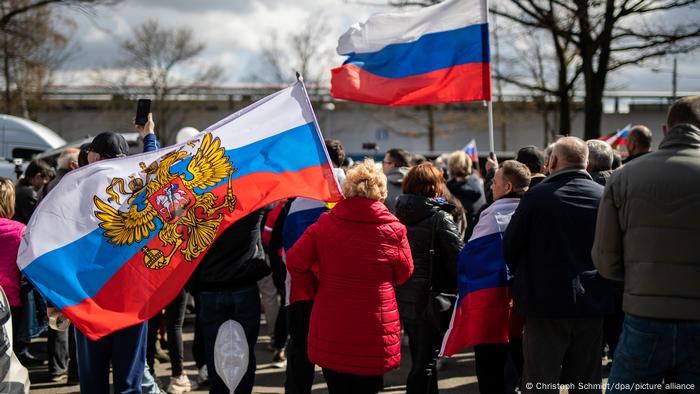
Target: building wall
(355,124)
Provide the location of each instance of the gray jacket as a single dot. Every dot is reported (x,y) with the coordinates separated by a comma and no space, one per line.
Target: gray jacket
(394,181)
(648,229)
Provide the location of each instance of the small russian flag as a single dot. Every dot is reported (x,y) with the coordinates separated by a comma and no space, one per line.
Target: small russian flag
(618,138)
(470,150)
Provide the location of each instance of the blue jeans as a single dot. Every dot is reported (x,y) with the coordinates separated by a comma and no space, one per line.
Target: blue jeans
(215,308)
(30,325)
(650,349)
(125,349)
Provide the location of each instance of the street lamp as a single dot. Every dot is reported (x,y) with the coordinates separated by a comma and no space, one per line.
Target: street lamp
(674,78)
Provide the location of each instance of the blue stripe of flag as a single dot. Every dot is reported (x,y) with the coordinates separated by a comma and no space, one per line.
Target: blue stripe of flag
(431,52)
(481,265)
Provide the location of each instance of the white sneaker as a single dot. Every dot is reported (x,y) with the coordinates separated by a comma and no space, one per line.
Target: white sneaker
(179,385)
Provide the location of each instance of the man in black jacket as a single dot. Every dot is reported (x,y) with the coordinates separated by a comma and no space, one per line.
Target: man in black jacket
(225,283)
(638,142)
(548,247)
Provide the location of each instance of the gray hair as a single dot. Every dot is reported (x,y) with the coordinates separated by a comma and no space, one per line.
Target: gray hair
(600,155)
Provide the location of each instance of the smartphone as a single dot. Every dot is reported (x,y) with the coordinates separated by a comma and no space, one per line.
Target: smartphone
(143,107)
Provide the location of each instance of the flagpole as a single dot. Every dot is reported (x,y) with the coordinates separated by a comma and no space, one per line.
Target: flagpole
(492,145)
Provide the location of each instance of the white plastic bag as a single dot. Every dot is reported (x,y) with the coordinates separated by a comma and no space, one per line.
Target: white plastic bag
(231,354)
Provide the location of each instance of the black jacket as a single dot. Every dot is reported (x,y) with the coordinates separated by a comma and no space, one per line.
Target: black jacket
(548,248)
(235,260)
(601,177)
(419,214)
(26,200)
(470,193)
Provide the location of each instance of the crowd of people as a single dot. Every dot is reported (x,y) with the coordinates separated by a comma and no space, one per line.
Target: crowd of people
(599,253)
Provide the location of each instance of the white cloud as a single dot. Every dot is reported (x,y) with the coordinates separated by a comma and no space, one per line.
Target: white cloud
(235,31)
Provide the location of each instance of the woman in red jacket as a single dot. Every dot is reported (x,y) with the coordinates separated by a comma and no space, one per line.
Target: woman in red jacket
(362,252)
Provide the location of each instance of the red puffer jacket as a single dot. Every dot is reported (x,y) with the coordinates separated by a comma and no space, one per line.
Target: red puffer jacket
(362,252)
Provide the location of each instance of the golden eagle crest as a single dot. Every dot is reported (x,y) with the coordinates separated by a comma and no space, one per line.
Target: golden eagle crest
(174,190)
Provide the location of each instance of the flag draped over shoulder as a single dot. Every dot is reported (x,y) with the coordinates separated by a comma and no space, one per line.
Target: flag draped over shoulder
(437,54)
(115,241)
(482,310)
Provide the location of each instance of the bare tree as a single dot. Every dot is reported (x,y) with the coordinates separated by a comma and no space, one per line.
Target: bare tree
(302,52)
(160,56)
(609,35)
(545,53)
(32,47)
(12,9)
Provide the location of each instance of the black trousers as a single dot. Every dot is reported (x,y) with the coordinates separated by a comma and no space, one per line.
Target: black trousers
(174,318)
(281,331)
(499,366)
(562,350)
(300,371)
(425,346)
(345,383)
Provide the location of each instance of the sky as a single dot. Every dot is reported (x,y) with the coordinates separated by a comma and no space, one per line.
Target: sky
(234,31)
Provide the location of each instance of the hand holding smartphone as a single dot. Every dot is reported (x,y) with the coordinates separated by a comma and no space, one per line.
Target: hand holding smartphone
(143,108)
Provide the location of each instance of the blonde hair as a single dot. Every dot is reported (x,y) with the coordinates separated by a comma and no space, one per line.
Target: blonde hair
(459,164)
(7,198)
(365,180)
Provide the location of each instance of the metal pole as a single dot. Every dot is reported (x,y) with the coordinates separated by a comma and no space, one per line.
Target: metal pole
(490,102)
(675,78)
(491,143)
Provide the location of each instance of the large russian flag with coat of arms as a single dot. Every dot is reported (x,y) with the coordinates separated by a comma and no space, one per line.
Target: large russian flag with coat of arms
(436,54)
(115,241)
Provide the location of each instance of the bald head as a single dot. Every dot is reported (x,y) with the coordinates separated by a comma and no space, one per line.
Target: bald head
(569,153)
(68,160)
(639,140)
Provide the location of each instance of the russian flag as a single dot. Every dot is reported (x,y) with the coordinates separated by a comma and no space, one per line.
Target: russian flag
(437,54)
(303,212)
(617,138)
(117,240)
(482,310)
(470,150)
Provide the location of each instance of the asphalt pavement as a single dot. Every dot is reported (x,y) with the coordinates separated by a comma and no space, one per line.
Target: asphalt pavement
(456,376)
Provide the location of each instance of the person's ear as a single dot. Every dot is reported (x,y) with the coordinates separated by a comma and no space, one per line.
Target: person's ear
(664,129)
(553,162)
(509,187)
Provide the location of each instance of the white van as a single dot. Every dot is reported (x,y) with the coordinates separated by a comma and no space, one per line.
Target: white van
(23,139)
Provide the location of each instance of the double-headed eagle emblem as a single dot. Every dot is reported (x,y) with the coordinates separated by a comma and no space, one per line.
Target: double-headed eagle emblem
(177,191)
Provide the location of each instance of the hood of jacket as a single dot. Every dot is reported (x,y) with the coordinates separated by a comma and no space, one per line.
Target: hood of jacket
(411,208)
(396,175)
(364,210)
(682,135)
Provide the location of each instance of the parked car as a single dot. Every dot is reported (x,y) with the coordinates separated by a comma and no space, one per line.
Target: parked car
(51,156)
(20,141)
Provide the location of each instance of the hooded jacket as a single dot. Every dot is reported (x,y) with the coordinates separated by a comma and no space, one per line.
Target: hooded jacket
(362,252)
(425,218)
(648,226)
